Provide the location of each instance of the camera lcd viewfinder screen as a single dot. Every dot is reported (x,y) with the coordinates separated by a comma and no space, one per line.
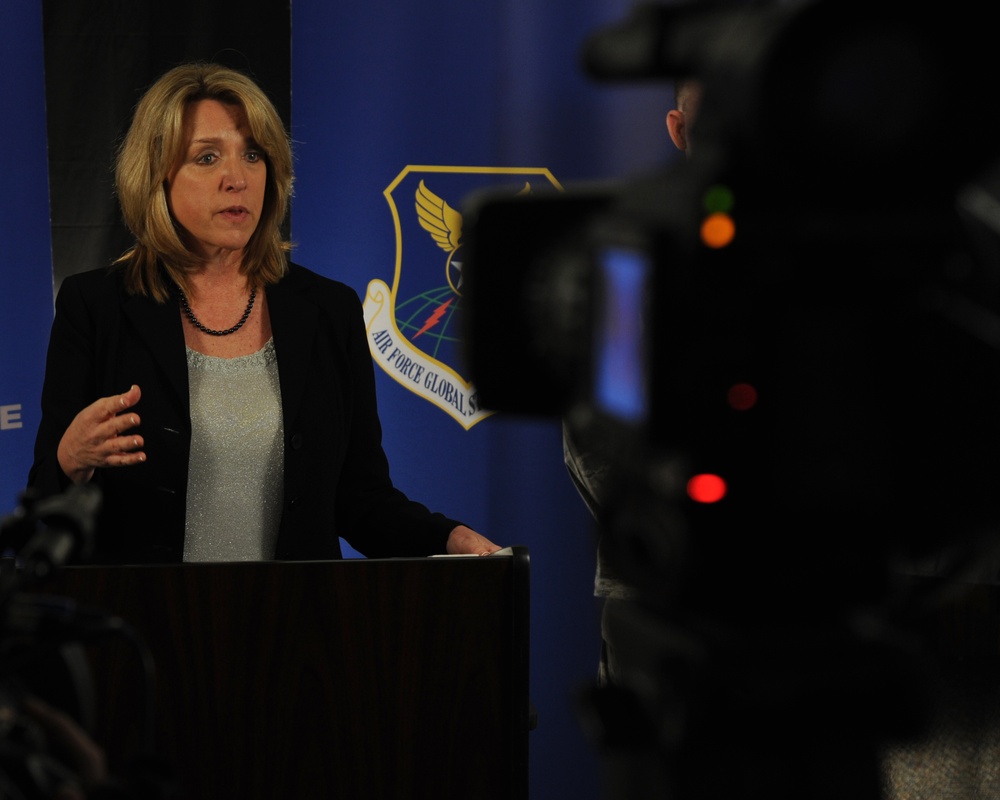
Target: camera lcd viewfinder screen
(620,386)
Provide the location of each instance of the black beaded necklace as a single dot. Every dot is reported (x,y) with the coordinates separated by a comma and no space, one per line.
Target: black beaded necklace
(194,320)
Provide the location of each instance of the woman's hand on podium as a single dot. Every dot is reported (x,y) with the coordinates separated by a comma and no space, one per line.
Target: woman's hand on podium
(464,541)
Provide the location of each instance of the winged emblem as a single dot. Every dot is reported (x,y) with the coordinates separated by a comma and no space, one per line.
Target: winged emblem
(444,224)
(439,219)
(414,323)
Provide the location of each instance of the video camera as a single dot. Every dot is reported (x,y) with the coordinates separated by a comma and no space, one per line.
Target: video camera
(828,366)
(48,703)
(833,363)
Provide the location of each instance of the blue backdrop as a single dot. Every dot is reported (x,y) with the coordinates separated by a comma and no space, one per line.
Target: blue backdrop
(394,105)
(452,85)
(25,253)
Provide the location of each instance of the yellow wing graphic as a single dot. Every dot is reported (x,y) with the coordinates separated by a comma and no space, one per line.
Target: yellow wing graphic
(439,219)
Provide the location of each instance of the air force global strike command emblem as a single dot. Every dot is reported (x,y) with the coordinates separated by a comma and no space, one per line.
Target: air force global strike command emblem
(414,325)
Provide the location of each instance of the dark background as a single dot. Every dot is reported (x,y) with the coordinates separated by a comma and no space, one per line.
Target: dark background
(100,56)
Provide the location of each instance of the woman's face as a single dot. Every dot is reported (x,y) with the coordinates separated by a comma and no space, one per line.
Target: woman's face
(216,192)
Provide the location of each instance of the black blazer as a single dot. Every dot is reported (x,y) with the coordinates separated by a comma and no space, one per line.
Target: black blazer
(336,476)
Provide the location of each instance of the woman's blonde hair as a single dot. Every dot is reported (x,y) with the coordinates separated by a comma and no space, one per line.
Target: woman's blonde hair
(155,144)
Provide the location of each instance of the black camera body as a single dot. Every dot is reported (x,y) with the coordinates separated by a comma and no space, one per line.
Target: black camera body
(783,355)
(841,301)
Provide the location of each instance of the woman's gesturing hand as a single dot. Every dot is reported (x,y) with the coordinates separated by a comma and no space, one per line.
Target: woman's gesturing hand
(102,435)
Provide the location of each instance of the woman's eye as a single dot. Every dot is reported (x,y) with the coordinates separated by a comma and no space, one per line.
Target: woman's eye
(206,158)
(253,156)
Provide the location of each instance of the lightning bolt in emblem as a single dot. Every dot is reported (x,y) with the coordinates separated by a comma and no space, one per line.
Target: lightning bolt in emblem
(435,317)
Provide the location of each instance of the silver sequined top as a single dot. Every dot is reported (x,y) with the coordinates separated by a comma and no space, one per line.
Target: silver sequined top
(235,475)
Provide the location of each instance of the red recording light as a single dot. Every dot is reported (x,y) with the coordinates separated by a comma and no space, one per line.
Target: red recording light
(706,488)
(741,397)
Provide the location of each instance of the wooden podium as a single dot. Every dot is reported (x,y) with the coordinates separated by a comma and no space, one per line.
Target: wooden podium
(389,678)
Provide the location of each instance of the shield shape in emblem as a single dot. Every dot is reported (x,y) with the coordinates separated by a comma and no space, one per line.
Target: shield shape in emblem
(414,325)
